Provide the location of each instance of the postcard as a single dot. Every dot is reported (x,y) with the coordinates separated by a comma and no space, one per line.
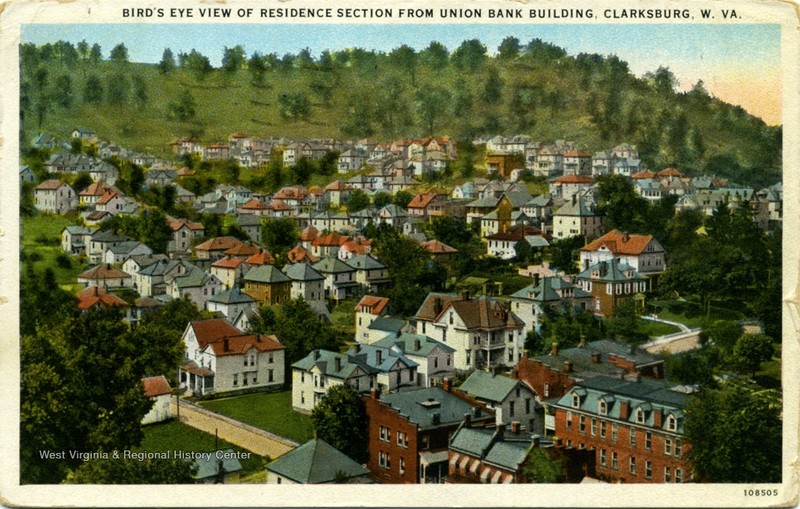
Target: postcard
(510,253)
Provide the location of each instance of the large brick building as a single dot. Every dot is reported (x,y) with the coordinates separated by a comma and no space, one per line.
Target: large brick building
(634,427)
(611,283)
(409,432)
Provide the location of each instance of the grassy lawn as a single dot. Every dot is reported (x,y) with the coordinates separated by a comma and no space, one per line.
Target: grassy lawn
(691,314)
(343,316)
(174,435)
(41,238)
(269,411)
(653,329)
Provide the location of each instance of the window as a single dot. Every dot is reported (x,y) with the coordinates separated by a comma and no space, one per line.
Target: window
(270,376)
(648,469)
(469,357)
(603,429)
(451,318)
(677,450)
(435,362)
(402,466)
(546,390)
(235,380)
(402,439)
(302,377)
(426,441)
(633,437)
(569,421)
(678,475)
(602,408)
(602,457)
(672,423)
(668,446)
(383,459)
(511,408)
(632,466)
(583,424)
(384,434)
(302,397)
(614,460)
(594,426)
(527,405)
(648,440)
(576,400)
(639,415)
(271,358)
(614,432)
(667,475)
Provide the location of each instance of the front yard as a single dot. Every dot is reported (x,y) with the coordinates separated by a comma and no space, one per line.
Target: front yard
(41,245)
(269,411)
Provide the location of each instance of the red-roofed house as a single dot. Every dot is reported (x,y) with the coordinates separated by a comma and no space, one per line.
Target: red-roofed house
(568,185)
(228,270)
(214,249)
(368,309)
(299,254)
(420,204)
(644,174)
(308,235)
(642,252)
(328,245)
(105,276)
(93,193)
(95,296)
(438,249)
(157,389)
(221,358)
(294,196)
(55,196)
(353,247)
(262,257)
(255,207)
(339,192)
(577,162)
(183,233)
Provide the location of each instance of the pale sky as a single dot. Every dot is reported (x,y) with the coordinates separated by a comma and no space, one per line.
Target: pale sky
(738,63)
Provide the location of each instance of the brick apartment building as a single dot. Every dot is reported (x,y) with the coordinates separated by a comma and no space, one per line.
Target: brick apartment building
(634,427)
(409,432)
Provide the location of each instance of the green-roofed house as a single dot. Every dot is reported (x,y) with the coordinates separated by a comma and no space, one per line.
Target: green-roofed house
(196,284)
(231,302)
(578,216)
(309,285)
(219,467)
(382,326)
(611,283)
(511,400)
(267,285)
(488,455)
(316,462)
(547,293)
(409,432)
(371,273)
(434,359)
(340,278)
(320,370)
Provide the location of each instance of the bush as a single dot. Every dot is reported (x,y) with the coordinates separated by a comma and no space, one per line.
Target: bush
(64,261)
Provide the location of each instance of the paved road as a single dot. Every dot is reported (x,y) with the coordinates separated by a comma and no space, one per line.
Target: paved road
(654,318)
(236,432)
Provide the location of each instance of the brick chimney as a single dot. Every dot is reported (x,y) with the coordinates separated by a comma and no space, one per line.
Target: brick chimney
(658,417)
(447,384)
(595,357)
(567,367)
(515,427)
(467,420)
(500,430)
(337,361)
(373,394)
(316,355)
(624,409)
(536,279)
(554,349)
(225,344)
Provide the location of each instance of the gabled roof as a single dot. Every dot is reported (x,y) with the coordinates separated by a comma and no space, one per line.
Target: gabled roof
(96,189)
(669,172)
(309,233)
(507,450)
(488,386)
(365,262)
(266,274)
(326,362)
(242,249)
(611,271)
(329,265)
(50,185)
(420,201)
(330,239)
(387,324)
(262,257)
(233,296)
(484,314)
(155,386)
(337,185)
(574,179)
(380,358)
(437,247)
(547,290)
(417,345)
(300,254)
(196,277)
(218,244)
(225,339)
(372,304)
(302,272)
(618,242)
(316,462)
(104,271)
(579,206)
(96,296)
(227,262)
(429,407)
(177,224)
(207,465)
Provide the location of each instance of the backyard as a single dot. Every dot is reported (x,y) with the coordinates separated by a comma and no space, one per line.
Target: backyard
(269,411)
(41,244)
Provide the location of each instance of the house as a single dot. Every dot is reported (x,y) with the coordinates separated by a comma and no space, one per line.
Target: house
(392,370)
(157,390)
(505,244)
(118,253)
(160,177)
(549,162)
(383,326)
(420,204)
(299,254)
(642,252)
(358,246)
(434,359)
(340,278)
(511,400)
(367,310)
(393,215)
(197,285)
(250,224)
(228,270)
(97,297)
(75,239)
(220,358)
(328,244)
(371,273)
(409,433)
(262,257)
(267,285)
(577,162)
(320,370)
(243,251)
(184,232)
(84,134)
(568,185)
(577,217)
(547,293)
(316,462)
(553,374)
(255,207)
(55,196)
(92,194)
(495,221)
(307,284)
(611,283)
(438,250)
(483,331)
(220,467)
(540,211)
(231,303)
(635,428)
(105,276)
(502,162)
(214,249)
(154,275)
(26,175)
(338,192)
(480,455)
(100,241)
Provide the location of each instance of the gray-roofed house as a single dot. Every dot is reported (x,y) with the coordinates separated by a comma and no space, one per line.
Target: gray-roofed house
(75,239)
(118,253)
(511,400)
(219,467)
(340,278)
(267,285)
(382,326)
(611,283)
(393,370)
(26,174)
(488,455)
(316,462)
(577,217)
(547,293)
(230,303)
(434,359)
(320,370)
(309,285)
(198,285)
(409,432)
(371,273)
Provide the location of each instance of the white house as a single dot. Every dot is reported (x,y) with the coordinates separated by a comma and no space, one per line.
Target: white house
(367,310)
(55,196)
(434,359)
(198,285)
(320,370)
(642,252)
(157,389)
(512,400)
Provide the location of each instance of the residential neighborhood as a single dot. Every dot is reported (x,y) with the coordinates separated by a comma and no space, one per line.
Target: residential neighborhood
(439,309)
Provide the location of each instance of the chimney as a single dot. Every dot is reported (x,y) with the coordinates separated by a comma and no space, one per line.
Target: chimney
(626,237)
(357,348)
(658,417)
(582,343)
(515,427)
(436,418)
(416,345)
(437,305)
(447,384)
(500,430)
(373,394)
(554,349)
(467,420)
(536,280)
(595,357)
(316,355)
(378,356)
(574,198)
(567,367)
(338,363)
(225,344)
(624,409)
(465,294)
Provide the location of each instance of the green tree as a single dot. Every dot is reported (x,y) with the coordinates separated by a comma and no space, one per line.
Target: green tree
(403,198)
(184,108)
(233,59)
(623,325)
(197,64)
(118,89)
(540,467)
(509,48)
(154,231)
(381,199)
(469,56)
(714,416)
(751,350)
(257,67)
(405,58)
(492,87)
(279,235)
(358,201)
(167,63)
(119,54)
(63,91)
(341,420)
(435,56)
(294,106)
(564,253)
(95,54)
(624,209)
(302,170)
(93,90)
(140,95)
(82,181)
(431,103)
(133,471)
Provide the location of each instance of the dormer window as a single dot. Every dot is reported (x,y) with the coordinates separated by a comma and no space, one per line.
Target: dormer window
(639,415)
(576,400)
(672,423)
(602,407)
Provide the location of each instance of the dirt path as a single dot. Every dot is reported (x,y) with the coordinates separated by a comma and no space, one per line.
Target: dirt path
(236,432)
